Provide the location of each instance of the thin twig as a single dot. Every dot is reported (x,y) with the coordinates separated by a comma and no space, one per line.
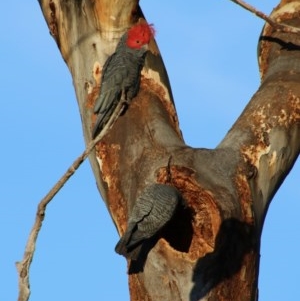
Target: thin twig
(274,24)
(24,265)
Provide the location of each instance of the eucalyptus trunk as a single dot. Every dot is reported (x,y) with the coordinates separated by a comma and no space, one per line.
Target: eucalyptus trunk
(212,251)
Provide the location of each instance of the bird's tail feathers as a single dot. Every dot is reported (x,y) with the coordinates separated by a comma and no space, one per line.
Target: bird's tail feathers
(121,246)
(135,240)
(131,250)
(104,114)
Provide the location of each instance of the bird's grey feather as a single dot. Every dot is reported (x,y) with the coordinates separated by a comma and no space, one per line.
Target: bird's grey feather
(120,73)
(153,209)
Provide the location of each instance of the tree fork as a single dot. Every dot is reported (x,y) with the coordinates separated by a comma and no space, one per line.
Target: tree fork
(212,249)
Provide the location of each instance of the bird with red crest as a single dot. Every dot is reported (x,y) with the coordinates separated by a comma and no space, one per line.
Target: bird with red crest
(121,73)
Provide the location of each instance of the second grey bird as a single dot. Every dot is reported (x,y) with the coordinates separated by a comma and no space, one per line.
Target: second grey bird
(153,209)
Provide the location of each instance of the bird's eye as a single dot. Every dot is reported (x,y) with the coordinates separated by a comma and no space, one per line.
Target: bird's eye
(138,41)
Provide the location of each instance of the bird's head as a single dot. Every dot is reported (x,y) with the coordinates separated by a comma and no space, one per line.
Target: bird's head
(140,35)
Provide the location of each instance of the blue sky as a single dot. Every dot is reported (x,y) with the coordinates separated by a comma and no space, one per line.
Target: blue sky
(210,53)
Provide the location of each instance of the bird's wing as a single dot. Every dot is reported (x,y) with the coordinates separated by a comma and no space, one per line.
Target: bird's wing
(110,81)
(113,75)
(98,100)
(155,209)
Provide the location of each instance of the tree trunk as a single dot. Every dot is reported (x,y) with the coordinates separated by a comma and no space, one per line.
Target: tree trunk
(211,251)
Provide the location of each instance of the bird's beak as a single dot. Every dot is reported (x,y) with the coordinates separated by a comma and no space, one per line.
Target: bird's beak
(145,47)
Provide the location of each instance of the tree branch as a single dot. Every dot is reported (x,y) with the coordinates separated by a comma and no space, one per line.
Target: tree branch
(24,265)
(273,23)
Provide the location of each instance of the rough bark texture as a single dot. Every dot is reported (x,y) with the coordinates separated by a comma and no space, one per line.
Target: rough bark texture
(211,251)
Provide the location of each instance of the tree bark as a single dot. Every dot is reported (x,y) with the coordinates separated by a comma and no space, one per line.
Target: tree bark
(211,250)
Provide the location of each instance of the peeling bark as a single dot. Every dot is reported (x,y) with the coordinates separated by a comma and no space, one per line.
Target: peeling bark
(211,250)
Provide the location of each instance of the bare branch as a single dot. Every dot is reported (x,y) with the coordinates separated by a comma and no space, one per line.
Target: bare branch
(24,265)
(274,24)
